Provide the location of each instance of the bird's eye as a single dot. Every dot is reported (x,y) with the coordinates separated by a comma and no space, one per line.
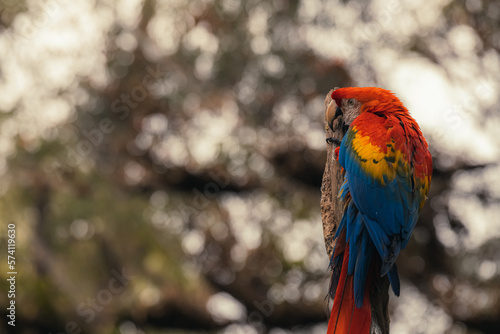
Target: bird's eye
(351,102)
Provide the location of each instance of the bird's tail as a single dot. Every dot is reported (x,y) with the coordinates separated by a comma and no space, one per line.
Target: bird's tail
(346,317)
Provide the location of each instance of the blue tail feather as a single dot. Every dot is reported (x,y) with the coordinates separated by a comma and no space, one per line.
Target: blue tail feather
(394,279)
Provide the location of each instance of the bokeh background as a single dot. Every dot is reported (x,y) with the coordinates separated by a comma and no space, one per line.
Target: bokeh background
(162,160)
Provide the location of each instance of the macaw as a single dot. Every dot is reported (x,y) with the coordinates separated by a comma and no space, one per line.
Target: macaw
(388,170)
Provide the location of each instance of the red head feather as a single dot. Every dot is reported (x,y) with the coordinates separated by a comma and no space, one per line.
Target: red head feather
(372,99)
(382,101)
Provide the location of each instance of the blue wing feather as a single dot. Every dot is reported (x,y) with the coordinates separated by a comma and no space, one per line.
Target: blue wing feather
(384,213)
(362,266)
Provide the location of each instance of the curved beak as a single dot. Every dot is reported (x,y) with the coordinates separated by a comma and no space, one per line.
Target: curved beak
(332,113)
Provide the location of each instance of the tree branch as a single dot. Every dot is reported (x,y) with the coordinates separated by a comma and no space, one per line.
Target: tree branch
(331,206)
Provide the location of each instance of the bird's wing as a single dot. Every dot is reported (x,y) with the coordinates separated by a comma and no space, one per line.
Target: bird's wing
(380,179)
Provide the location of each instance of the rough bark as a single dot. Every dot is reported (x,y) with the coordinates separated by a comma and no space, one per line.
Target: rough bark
(331,206)
(332,209)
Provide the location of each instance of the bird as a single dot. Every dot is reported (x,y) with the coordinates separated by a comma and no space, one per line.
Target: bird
(388,170)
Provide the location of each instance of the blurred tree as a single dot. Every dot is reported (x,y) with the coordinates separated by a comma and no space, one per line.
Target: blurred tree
(163,162)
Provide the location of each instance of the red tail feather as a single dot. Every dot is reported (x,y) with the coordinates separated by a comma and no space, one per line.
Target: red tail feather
(345,316)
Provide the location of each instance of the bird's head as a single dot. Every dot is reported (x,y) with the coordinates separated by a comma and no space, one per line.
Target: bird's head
(352,101)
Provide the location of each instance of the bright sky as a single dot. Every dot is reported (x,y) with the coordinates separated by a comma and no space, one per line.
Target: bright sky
(447,109)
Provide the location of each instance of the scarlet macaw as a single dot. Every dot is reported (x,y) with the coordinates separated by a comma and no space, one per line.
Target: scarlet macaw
(388,171)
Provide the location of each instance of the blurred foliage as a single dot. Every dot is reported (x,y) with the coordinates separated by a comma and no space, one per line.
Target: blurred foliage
(179,190)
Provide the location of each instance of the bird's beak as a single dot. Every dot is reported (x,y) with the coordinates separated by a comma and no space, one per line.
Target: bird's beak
(332,113)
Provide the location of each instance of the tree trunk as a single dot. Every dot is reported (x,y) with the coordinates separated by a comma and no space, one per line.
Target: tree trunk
(332,209)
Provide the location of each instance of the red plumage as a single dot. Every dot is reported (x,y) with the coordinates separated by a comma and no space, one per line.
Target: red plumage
(345,317)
